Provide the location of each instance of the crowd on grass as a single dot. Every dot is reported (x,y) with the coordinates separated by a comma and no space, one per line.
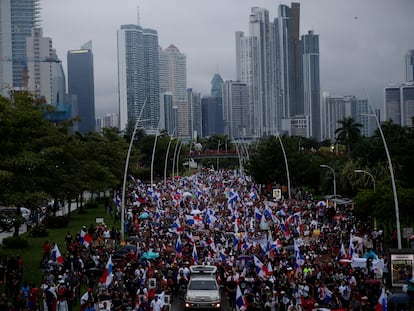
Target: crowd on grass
(284,254)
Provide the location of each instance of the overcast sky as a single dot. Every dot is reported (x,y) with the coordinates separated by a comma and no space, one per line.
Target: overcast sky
(362,42)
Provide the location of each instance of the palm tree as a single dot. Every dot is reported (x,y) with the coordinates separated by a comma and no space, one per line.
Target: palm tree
(348,133)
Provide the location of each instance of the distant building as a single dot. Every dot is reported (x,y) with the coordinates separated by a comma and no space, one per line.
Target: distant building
(138,76)
(409,66)
(81,84)
(216,83)
(194,100)
(173,79)
(399,104)
(17,19)
(311,84)
(235,105)
(109,120)
(212,116)
(333,108)
(45,76)
(168,114)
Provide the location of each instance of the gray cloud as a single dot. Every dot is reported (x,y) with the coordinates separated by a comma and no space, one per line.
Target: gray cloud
(362,43)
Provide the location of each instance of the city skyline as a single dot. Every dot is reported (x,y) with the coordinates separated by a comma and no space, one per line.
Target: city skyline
(362,49)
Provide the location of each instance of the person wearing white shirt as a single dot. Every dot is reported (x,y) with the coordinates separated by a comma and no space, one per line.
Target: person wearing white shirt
(157,304)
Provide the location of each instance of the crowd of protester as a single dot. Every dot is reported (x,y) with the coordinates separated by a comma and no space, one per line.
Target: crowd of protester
(281,254)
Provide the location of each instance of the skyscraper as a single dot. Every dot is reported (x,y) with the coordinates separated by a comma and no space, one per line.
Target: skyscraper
(173,78)
(81,84)
(138,76)
(194,100)
(409,66)
(235,110)
(17,19)
(255,67)
(45,76)
(399,104)
(212,116)
(311,84)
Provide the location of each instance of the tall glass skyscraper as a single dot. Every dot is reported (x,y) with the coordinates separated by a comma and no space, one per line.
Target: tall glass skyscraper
(138,76)
(173,78)
(81,84)
(17,19)
(311,84)
(409,66)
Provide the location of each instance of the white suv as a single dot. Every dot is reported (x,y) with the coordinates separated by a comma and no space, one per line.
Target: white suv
(203,292)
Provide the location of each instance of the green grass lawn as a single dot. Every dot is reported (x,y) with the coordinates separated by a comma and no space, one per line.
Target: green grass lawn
(32,255)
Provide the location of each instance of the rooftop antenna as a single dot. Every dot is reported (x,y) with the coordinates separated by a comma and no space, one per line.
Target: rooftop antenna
(138,19)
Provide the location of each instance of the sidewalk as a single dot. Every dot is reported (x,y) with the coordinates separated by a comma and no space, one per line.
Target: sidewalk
(23,227)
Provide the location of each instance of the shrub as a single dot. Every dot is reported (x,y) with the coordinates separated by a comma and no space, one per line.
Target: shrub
(56,221)
(38,231)
(15,242)
(91,204)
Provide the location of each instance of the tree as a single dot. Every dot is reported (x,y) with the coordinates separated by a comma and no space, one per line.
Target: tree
(349,132)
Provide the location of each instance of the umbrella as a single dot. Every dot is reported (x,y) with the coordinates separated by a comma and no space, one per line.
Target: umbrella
(187,194)
(400,299)
(144,215)
(244,257)
(130,247)
(133,239)
(321,204)
(150,255)
(195,212)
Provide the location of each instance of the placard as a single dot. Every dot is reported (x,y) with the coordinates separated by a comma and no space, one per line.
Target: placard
(402,266)
(277,193)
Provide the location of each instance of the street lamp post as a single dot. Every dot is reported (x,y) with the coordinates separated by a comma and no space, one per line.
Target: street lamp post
(369,174)
(373,183)
(166,158)
(394,188)
(286,163)
(126,170)
(178,158)
(334,177)
(175,154)
(153,158)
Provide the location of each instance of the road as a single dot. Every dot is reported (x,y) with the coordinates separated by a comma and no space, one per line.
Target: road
(178,304)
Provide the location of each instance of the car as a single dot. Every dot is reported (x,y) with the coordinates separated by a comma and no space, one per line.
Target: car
(203,291)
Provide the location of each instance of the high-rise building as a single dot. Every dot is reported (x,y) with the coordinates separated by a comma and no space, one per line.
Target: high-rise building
(333,108)
(45,77)
(212,116)
(173,79)
(235,110)
(17,19)
(255,67)
(289,60)
(194,100)
(311,84)
(409,66)
(81,84)
(399,104)
(168,114)
(216,83)
(138,77)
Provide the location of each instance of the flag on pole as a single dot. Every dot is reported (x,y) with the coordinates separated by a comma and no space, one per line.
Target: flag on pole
(382,302)
(178,246)
(342,252)
(107,275)
(56,255)
(261,269)
(241,303)
(85,238)
(195,256)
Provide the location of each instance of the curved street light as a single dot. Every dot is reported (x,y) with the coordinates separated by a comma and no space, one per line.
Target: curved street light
(369,174)
(126,169)
(166,158)
(286,163)
(394,188)
(334,177)
(153,157)
(175,154)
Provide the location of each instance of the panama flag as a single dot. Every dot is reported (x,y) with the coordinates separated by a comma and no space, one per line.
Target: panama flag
(351,247)
(241,302)
(178,246)
(195,256)
(56,255)
(261,269)
(382,302)
(85,238)
(106,277)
